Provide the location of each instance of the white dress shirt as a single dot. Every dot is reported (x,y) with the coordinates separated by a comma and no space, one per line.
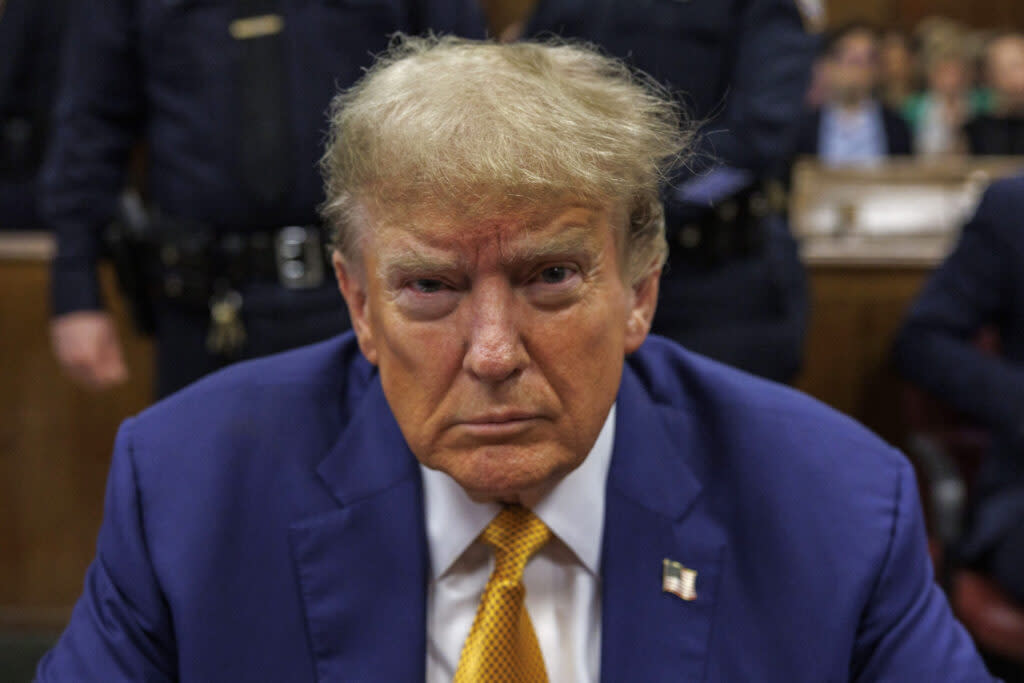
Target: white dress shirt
(563,586)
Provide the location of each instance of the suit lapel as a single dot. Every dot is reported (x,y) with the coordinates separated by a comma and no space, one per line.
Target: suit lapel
(653,512)
(362,568)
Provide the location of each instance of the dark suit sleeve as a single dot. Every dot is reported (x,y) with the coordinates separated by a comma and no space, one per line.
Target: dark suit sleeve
(968,292)
(770,75)
(898,135)
(98,114)
(907,631)
(120,630)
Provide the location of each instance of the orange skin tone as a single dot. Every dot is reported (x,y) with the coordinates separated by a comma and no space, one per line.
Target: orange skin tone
(499,341)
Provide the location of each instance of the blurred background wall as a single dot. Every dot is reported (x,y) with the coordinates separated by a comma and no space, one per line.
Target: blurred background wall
(905,14)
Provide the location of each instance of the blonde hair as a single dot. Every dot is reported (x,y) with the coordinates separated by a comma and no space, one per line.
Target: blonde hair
(477,126)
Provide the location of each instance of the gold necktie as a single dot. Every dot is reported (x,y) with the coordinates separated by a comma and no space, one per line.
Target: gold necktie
(502,646)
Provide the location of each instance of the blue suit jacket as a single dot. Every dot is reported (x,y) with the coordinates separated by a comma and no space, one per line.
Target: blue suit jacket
(980,285)
(266,524)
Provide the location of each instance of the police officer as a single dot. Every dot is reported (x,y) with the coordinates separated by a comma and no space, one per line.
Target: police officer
(30,37)
(229,96)
(734,288)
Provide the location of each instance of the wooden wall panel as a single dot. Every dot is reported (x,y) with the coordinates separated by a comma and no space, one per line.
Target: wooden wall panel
(879,12)
(906,13)
(855,313)
(982,14)
(55,445)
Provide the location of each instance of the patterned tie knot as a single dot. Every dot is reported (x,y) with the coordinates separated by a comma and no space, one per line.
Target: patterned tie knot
(516,534)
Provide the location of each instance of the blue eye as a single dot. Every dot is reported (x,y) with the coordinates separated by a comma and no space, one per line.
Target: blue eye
(554,274)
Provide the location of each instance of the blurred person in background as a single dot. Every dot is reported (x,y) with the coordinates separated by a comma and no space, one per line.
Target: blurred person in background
(938,115)
(734,288)
(852,127)
(981,286)
(976,48)
(226,258)
(1001,131)
(30,42)
(897,69)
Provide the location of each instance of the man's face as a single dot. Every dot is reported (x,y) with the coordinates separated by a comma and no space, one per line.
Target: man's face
(895,60)
(499,341)
(853,68)
(1006,71)
(948,77)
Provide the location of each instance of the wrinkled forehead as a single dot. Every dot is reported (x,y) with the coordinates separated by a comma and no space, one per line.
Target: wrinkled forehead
(408,238)
(856,43)
(481,216)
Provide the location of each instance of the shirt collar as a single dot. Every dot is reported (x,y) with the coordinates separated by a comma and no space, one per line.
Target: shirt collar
(573,509)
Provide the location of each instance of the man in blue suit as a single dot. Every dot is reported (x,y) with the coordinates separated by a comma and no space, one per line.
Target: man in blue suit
(498,477)
(981,285)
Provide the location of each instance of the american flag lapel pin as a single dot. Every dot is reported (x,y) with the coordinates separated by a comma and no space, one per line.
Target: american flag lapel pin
(678,580)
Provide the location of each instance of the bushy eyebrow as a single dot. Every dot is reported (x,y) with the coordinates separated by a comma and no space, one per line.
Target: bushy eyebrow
(408,260)
(571,241)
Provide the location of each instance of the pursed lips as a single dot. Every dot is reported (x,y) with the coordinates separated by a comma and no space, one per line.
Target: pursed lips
(500,417)
(498,424)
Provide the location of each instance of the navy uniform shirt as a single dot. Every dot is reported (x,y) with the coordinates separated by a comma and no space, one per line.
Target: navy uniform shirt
(30,38)
(165,71)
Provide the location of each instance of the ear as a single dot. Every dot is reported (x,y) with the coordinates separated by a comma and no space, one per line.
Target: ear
(353,285)
(640,314)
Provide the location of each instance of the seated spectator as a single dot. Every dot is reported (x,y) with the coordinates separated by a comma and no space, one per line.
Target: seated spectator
(979,286)
(852,126)
(975,43)
(1001,131)
(897,70)
(937,116)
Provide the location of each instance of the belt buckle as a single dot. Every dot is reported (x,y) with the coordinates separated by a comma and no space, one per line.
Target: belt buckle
(299,255)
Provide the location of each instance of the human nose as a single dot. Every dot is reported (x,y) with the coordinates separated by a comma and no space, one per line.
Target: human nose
(495,350)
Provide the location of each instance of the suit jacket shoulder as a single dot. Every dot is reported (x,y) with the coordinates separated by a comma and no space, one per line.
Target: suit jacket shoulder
(284,411)
(207,564)
(806,527)
(1001,204)
(758,446)
(746,412)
